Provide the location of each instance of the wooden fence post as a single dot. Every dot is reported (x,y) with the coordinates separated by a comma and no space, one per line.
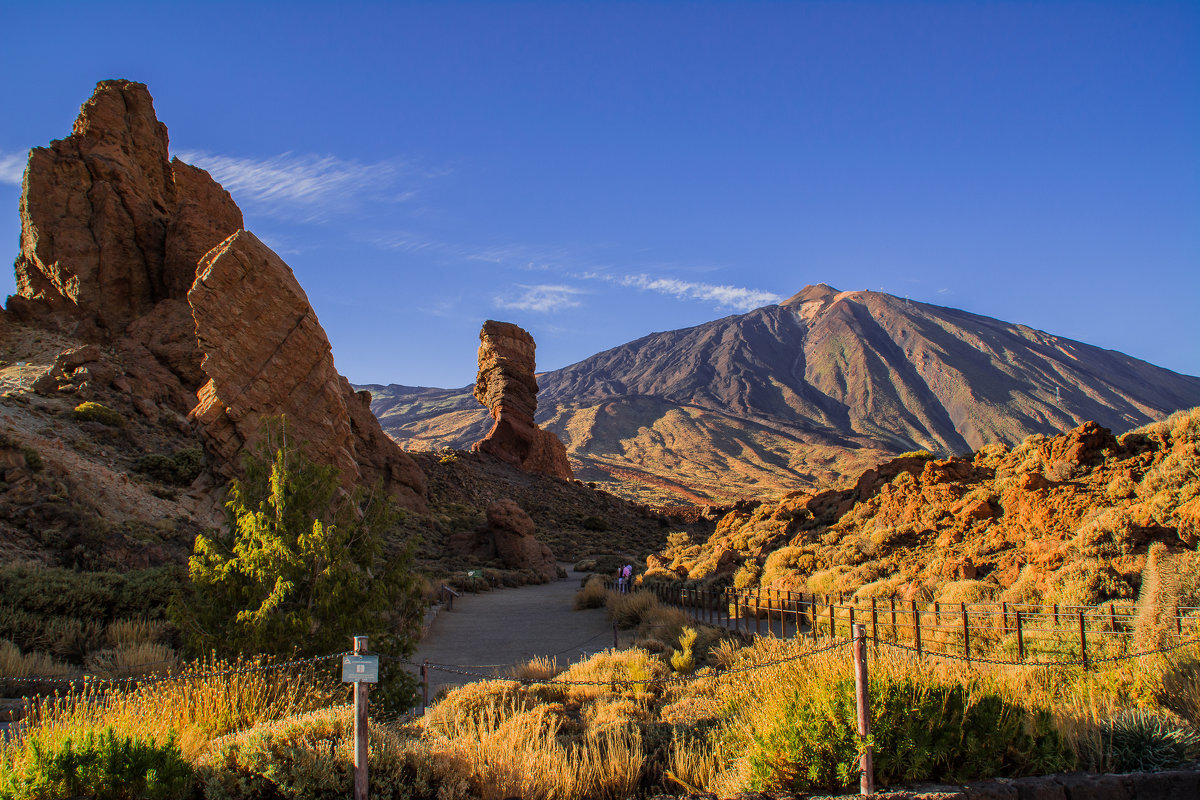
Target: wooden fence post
(875,622)
(966,630)
(425,686)
(1112,617)
(1083,640)
(1178,620)
(1056,615)
(832,621)
(916,627)
(895,630)
(862,694)
(361,690)
(1020,638)
(1004,616)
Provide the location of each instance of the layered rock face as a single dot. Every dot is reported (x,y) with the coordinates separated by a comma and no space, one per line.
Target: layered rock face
(110,224)
(123,245)
(265,354)
(507,386)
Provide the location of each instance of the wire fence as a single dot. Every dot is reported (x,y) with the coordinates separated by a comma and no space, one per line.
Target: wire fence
(974,633)
(1031,633)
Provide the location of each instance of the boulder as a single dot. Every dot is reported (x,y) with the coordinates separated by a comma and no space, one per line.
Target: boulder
(265,354)
(509,537)
(507,386)
(516,546)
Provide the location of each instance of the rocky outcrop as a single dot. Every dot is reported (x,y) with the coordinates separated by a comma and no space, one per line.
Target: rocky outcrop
(124,246)
(507,386)
(110,225)
(266,354)
(509,538)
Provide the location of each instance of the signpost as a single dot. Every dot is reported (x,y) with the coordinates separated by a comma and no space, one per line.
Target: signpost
(362,670)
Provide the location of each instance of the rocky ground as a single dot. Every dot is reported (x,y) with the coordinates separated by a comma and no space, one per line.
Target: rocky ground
(1072,516)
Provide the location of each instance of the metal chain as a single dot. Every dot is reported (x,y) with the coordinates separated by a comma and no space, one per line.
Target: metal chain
(1076,662)
(456,670)
(95,680)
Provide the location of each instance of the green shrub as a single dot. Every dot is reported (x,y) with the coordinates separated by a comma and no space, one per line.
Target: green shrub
(1140,740)
(33,459)
(921,731)
(89,595)
(64,612)
(593,524)
(925,454)
(179,469)
(103,766)
(96,412)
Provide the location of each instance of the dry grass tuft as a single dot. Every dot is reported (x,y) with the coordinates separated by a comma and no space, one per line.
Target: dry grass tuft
(541,668)
(592,595)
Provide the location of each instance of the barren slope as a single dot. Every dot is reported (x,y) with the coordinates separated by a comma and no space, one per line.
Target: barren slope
(796,394)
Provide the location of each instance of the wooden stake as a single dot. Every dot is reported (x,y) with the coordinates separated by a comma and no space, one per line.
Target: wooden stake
(862,694)
(916,627)
(1083,640)
(966,630)
(1020,638)
(361,690)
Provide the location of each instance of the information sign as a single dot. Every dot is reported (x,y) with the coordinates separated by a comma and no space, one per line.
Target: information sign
(360,669)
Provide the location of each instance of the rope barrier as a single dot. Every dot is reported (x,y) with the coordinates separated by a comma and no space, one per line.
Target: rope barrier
(96,680)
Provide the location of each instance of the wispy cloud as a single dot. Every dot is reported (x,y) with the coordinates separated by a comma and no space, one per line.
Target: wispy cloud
(570,264)
(734,297)
(12,167)
(305,186)
(516,256)
(542,298)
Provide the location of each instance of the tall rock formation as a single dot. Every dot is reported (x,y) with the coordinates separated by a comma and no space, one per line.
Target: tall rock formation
(110,224)
(266,354)
(113,235)
(507,386)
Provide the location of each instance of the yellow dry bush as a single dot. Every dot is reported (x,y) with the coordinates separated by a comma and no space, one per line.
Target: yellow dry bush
(592,595)
(209,701)
(520,755)
(129,632)
(632,672)
(133,660)
(540,668)
(312,755)
(15,664)
(619,712)
(465,703)
(966,591)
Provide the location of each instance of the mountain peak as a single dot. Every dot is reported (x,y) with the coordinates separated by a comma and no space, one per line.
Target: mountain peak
(819,291)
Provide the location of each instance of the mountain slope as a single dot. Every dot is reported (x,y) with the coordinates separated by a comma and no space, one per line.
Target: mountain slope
(821,385)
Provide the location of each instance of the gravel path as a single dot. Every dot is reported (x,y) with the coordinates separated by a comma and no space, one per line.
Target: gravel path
(500,628)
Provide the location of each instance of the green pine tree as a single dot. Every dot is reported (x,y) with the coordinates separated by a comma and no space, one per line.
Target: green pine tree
(302,567)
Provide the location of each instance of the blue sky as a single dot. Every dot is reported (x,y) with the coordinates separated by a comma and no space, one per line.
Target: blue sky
(598,171)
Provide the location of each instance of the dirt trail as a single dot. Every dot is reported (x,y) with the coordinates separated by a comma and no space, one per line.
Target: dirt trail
(498,629)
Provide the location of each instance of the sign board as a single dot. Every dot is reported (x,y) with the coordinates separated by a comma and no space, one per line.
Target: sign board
(475,573)
(360,669)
